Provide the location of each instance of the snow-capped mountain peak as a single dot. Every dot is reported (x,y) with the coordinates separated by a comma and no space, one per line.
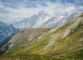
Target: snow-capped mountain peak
(44,12)
(44,19)
(18,19)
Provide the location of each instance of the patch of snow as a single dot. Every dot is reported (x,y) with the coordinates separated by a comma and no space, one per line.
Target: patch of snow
(64,21)
(60,17)
(40,22)
(19,19)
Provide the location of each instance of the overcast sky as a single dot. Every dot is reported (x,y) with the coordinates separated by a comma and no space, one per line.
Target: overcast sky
(13,9)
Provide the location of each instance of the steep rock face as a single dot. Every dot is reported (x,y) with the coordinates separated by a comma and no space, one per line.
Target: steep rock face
(3,26)
(3,44)
(59,20)
(6,31)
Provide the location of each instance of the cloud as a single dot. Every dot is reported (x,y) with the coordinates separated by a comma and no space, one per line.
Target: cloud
(81,7)
(69,9)
(26,8)
(1,5)
(79,2)
(23,11)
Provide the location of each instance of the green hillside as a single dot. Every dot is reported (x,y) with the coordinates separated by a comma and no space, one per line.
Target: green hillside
(28,36)
(64,43)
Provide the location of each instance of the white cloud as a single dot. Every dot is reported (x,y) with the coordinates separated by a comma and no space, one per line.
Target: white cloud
(69,9)
(23,12)
(81,7)
(26,12)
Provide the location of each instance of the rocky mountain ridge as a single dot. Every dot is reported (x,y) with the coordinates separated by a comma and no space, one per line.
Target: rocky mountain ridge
(44,19)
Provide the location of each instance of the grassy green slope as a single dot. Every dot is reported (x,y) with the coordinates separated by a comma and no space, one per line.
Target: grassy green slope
(28,36)
(65,42)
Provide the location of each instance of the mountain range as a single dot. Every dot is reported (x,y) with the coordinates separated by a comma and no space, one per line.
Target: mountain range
(5,31)
(44,19)
(60,43)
